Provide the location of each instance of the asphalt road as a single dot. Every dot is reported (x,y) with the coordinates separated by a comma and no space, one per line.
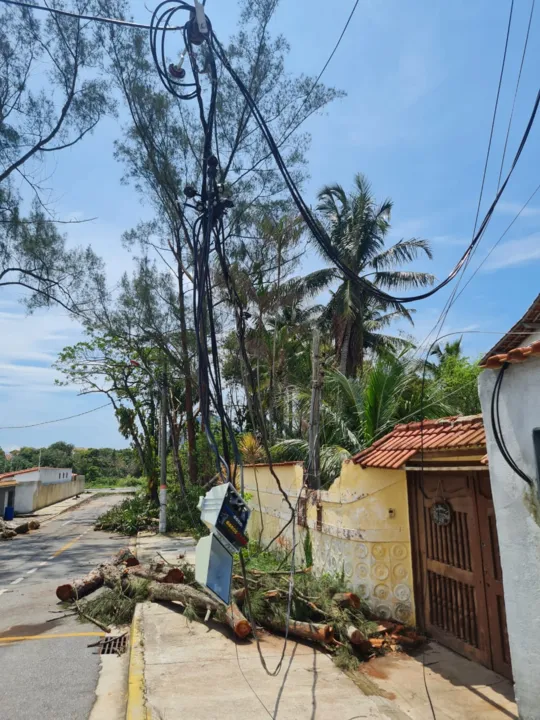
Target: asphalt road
(52,675)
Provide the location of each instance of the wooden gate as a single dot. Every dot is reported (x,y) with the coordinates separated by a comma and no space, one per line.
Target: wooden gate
(459,588)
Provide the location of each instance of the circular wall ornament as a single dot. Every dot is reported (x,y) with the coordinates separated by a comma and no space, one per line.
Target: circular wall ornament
(441,513)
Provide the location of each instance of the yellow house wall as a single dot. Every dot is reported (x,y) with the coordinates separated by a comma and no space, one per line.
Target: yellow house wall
(364,533)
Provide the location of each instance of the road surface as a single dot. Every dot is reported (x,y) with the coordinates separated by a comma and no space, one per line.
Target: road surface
(52,675)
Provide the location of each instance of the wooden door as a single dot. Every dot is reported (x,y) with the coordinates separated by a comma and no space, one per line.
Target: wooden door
(493,580)
(459,581)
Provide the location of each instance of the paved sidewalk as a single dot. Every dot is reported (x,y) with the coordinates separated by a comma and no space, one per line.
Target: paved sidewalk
(48,513)
(201,672)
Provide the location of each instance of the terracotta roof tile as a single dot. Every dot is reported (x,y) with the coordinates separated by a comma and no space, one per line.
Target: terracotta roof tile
(514,356)
(28,470)
(528,324)
(405,441)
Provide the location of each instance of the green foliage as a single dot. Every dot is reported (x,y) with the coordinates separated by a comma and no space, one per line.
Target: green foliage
(116,606)
(308,549)
(458,377)
(102,467)
(137,513)
(129,517)
(358,227)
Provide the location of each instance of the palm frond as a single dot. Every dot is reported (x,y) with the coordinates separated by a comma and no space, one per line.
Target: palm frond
(404,251)
(403,279)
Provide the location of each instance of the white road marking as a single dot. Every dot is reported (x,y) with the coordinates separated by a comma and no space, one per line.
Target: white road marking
(51,557)
(42,564)
(17,581)
(29,572)
(68,522)
(5,590)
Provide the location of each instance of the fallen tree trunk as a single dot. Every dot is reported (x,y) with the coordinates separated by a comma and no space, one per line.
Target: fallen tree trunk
(124,555)
(172,576)
(184,594)
(347,600)
(239,595)
(81,587)
(234,618)
(22,529)
(308,631)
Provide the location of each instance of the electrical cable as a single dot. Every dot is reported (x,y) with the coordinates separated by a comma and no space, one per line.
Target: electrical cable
(327,63)
(517,89)
(496,244)
(81,16)
(497,428)
(455,295)
(314,225)
(50,422)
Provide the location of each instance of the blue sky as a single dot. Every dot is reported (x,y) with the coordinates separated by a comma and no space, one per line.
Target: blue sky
(421,79)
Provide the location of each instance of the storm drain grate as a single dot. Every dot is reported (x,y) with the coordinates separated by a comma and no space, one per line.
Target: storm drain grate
(113,645)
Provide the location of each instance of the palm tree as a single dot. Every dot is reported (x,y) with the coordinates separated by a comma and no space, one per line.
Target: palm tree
(357,411)
(357,226)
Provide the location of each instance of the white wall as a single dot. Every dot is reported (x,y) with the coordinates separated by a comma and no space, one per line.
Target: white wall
(517,511)
(30,477)
(55,475)
(25,492)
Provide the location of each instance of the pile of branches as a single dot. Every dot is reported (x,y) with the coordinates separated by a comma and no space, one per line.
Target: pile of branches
(128,582)
(321,611)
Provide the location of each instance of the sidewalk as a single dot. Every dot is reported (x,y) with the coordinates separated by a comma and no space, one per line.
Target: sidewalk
(200,672)
(46,514)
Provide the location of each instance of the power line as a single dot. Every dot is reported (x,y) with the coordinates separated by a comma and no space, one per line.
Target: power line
(517,88)
(49,422)
(77,16)
(444,314)
(327,63)
(495,244)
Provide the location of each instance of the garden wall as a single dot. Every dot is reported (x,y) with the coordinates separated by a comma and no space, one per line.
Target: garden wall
(359,526)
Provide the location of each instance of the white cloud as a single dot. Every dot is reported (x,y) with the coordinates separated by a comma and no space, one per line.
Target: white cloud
(515,252)
(513,208)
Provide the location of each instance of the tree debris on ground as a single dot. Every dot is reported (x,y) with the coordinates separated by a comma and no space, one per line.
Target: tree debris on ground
(319,610)
(9,529)
(129,582)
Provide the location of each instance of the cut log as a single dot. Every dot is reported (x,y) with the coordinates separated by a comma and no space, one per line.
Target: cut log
(22,528)
(234,618)
(239,595)
(347,600)
(355,636)
(308,631)
(172,576)
(124,556)
(377,642)
(184,594)
(81,587)
(7,534)
(34,525)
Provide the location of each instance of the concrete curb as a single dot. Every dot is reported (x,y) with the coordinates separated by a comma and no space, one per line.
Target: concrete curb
(136,703)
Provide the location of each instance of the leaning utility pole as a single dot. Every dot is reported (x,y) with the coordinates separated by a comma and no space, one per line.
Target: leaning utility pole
(163,457)
(314,460)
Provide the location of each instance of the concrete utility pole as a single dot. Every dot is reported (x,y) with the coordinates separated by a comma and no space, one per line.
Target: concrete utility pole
(314,461)
(163,457)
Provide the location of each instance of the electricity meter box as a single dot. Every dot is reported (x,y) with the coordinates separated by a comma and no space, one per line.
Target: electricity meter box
(224,512)
(213,567)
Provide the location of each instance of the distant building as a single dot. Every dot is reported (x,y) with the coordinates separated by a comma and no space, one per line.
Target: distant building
(36,488)
(7,493)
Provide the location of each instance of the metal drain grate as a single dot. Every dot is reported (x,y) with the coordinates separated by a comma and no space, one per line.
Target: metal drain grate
(113,645)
